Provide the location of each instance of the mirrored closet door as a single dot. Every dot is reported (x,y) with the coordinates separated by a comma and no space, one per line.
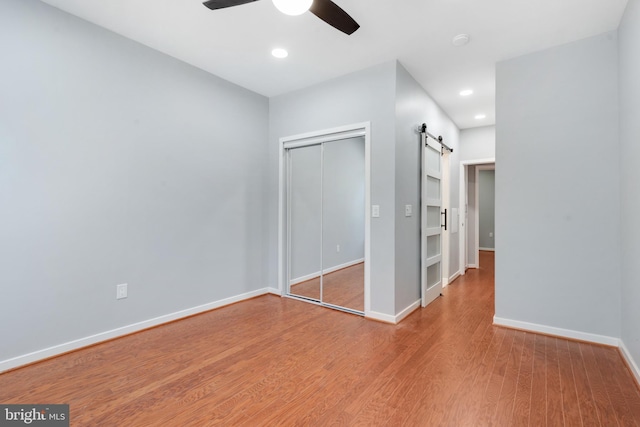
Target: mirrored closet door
(305,224)
(326,222)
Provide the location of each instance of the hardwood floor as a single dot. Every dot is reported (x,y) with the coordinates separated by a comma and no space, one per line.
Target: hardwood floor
(344,288)
(276,361)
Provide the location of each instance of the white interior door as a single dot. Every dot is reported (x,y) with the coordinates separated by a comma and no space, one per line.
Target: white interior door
(446,207)
(431,277)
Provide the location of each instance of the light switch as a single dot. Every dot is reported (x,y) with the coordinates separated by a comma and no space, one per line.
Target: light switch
(375,211)
(408,210)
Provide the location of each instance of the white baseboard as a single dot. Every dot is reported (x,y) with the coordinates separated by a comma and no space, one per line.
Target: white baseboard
(407,311)
(633,366)
(454,277)
(380,317)
(550,330)
(274,291)
(488,249)
(446,281)
(472,265)
(56,350)
(325,271)
(387,318)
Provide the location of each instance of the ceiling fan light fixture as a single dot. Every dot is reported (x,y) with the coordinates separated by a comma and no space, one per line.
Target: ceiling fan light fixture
(292,7)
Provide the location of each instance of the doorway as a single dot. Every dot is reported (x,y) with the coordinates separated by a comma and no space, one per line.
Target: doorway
(485,210)
(469,222)
(324,218)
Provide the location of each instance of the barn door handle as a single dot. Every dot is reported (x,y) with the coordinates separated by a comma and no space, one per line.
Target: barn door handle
(445,219)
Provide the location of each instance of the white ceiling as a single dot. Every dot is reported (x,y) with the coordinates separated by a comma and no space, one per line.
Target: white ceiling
(235,43)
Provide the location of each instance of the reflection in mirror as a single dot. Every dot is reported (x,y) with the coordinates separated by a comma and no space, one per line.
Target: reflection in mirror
(343,223)
(304,205)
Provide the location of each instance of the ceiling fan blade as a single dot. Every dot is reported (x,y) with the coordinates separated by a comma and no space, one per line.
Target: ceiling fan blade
(221,4)
(333,15)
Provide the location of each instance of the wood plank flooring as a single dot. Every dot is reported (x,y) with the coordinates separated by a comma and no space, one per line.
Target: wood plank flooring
(276,361)
(344,288)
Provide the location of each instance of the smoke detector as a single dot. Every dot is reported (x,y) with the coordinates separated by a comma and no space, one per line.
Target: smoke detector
(461,40)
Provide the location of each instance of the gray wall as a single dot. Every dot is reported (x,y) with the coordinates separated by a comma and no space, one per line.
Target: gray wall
(118,164)
(486,208)
(367,95)
(478,143)
(414,107)
(629,69)
(557,115)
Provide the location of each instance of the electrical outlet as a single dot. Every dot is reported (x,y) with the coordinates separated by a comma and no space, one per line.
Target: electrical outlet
(375,211)
(121,291)
(408,210)
(491,234)
(338,248)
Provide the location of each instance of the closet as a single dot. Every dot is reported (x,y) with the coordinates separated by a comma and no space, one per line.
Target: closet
(325,221)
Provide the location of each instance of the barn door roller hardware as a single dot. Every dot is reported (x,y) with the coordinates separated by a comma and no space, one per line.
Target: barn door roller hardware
(423,129)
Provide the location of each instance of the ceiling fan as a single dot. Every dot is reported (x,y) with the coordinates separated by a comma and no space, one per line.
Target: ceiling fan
(326,10)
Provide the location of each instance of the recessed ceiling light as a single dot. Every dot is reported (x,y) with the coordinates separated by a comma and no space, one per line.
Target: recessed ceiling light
(461,39)
(481,116)
(279,53)
(466,92)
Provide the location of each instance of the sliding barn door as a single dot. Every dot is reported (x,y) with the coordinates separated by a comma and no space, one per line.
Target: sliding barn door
(431,277)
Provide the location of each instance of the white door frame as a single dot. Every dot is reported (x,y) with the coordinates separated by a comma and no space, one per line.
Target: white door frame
(326,135)
(464,166)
